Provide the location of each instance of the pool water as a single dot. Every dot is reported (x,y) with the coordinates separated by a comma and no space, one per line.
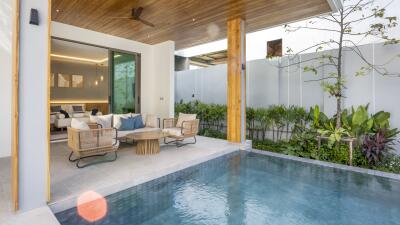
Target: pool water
(249,188)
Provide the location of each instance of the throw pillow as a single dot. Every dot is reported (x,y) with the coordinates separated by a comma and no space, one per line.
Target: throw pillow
(138,122)
(104,121)
(151,121)
(117,119)
(66,115)
(126,124)
(79,125)
(77,108)
(185,117)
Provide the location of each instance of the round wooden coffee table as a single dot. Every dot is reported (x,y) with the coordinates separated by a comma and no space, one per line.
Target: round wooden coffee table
(148,141)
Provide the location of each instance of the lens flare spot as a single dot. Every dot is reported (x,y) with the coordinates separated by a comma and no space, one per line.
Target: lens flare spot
(91,206)
(213,30)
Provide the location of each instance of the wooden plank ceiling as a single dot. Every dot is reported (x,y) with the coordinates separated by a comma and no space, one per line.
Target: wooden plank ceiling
(210,59)
(187,22)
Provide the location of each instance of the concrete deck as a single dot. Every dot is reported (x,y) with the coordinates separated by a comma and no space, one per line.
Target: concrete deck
(42,216)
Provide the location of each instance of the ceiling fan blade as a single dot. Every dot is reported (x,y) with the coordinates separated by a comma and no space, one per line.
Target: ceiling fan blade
(120,17)
(146,23)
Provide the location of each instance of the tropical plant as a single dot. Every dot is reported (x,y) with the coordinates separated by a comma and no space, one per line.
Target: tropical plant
(262,115)
(250,121)
(376,145)
(334,134)
(277,114)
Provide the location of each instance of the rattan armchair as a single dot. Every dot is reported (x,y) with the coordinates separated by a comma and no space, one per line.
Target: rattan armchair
(92,143)
(189,129)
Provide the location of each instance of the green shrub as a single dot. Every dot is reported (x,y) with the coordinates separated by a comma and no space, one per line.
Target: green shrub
(304,126)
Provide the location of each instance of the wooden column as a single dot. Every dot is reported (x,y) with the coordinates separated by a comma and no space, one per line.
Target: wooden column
(236,96)
(15,111)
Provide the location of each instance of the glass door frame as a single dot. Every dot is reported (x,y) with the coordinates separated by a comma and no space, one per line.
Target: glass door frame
(137,79)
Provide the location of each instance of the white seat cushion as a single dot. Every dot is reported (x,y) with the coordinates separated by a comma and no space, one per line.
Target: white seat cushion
(174,131)
(123,133)
(146,129)
(78,115)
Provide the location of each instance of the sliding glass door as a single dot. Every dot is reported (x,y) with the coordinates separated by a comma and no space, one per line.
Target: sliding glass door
(125,82)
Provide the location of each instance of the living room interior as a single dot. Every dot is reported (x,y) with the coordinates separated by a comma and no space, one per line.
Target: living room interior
(84,81)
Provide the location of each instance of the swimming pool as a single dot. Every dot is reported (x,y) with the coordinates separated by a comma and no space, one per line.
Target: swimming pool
(249,188)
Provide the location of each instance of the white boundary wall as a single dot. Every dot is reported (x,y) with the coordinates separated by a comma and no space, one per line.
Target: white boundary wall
(268,85)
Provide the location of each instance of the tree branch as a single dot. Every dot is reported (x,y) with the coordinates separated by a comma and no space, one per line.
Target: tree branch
(294,29)
(320,79)
(377,68)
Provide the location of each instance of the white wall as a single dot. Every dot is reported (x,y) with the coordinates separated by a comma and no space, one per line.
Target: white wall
(157,68)
(5,76)
(163,82)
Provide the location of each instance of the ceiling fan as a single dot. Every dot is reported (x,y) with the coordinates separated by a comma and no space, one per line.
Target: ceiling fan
(135,15)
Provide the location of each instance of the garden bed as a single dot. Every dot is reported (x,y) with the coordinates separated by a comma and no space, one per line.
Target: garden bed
(294,130)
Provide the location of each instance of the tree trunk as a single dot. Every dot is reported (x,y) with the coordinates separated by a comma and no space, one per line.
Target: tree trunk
(273,134)
(339,74)
(287,131)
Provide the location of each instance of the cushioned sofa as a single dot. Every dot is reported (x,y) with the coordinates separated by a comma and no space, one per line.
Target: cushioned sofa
(151,123)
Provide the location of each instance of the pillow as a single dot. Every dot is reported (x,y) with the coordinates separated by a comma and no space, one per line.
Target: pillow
(77,108)
(104,121)
(138,122)
(185,117)
(79,125)
(151,121)
(117,119)
(126,124)
(60,116)
(66,115)
(55,109)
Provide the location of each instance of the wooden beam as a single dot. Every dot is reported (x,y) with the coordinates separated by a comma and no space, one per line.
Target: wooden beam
(236,96)
(15,109)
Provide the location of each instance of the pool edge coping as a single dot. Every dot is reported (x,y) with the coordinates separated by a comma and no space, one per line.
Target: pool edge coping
(328,164)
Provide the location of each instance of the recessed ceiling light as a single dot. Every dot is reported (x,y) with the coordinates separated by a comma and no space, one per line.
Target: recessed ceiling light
(194,19)
(57,10)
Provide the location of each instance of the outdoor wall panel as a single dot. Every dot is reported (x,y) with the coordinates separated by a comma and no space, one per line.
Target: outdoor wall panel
(262,83)
(358,89)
